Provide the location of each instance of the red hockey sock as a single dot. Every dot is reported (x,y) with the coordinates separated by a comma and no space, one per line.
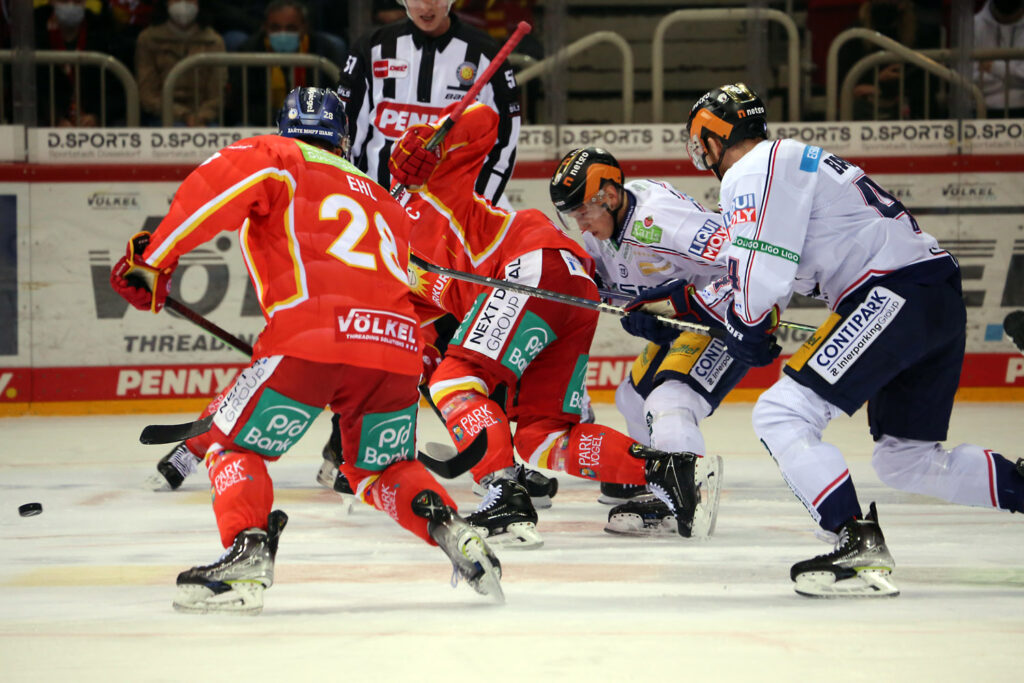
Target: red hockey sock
(468,414)
(597,452)
(395,490)
(242,492)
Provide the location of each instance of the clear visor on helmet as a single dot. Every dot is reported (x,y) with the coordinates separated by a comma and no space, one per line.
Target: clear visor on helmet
(585,216)
(698,155)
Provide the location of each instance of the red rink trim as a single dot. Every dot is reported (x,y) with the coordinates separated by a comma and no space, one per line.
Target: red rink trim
(525,170)
(831,487)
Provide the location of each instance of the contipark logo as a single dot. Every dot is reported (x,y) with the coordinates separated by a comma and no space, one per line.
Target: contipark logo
(856,333)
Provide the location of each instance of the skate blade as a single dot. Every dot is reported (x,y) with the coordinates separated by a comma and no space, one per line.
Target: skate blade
(157,482)
(327,474)
(867,583)
(517,536)
(539,502)
(244,599)
(633,525)
(705,517)
(488,583)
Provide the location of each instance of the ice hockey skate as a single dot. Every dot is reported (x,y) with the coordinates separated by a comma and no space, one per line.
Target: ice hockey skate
(859,567)
(641,516)
(540,488)
(471,559)
(689,484)
(617,494)
(506,516)
(329,476)
(173,469)
(234,584)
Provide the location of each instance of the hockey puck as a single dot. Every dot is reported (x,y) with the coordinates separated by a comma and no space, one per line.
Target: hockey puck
(30,509)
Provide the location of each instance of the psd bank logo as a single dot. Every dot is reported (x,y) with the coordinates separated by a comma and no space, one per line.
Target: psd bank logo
(387,438)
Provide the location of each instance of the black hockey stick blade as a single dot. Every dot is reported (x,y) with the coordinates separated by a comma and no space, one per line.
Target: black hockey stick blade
(449,463)
(157,434)
(1013,325)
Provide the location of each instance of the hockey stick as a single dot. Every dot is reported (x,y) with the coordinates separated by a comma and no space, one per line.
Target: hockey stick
(1013,325)
(563,298)
(157,434)
(456,113)
(208,325)
(611,294)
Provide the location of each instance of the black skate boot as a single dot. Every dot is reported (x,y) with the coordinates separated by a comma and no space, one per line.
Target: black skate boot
(540,488)
(234,584)
(506,515)
(329,475)
(688,484)
(644,516)
(860,565)
(172,469)
(471,559)
(617,494)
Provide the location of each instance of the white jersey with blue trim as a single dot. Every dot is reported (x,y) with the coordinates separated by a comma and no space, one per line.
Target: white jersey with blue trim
(803,220)
(666,234)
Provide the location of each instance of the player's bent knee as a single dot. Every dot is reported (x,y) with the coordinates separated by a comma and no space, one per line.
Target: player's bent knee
(900,463)
(789,412)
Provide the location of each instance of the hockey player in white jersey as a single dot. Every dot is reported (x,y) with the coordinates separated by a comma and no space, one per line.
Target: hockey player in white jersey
(803,220)
(642,233)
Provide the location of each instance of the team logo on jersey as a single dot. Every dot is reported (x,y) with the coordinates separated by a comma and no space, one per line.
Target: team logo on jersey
(744,210)
(855,333)
(390,68)
(466,73)
(394,117)
(708,241)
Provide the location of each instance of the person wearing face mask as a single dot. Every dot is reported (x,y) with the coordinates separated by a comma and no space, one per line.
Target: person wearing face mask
(179,30)
(76,99)
(286,30)
(1000,23)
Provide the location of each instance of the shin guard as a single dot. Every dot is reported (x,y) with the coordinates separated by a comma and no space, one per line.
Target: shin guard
(399,487)
(478,426)
(242,492)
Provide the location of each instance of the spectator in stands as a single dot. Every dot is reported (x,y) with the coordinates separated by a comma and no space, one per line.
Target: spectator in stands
(237,20)
(894,19)
(1000,23)
(76,100)
(286,30)
(179,30)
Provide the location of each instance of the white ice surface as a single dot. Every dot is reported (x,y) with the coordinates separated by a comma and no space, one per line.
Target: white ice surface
(86,587)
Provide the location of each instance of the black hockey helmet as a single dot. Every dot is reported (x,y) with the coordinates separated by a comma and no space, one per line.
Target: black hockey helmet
(315,115)
(730,113)
(580,177)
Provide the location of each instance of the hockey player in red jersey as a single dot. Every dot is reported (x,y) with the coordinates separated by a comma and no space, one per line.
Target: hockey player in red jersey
(535,348)
(327,251)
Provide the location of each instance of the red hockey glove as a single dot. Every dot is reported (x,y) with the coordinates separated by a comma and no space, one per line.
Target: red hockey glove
(143,286)
(411,164)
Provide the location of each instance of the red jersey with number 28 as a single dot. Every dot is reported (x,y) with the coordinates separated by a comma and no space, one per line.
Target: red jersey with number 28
(326,249)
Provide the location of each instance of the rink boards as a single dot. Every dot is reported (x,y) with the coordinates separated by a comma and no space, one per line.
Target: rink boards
(69,343)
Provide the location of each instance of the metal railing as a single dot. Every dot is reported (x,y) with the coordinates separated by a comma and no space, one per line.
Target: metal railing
(578,46)
(243,60)
(736,14)
(78,59)
(939,55)
(902,52)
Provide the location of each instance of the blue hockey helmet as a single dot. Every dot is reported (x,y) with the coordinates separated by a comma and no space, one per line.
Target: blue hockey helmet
(315,115)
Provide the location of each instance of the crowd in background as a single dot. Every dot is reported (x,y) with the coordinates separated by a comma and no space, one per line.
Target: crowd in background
(151,36)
